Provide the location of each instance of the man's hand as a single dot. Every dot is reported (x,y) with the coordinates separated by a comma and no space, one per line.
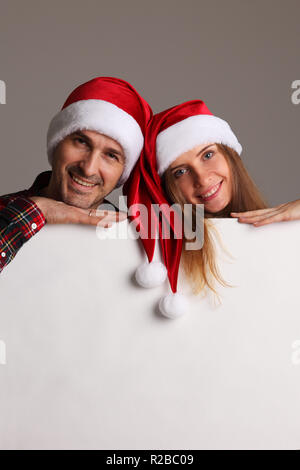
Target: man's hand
(57,212)
(281,213)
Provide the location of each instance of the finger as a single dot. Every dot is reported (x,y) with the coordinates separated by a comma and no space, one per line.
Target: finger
(104,224)
(109,219)
(257,218)
(109,214)
(270,220)
(93,216)
(113,215)
(91,219)
(253,213)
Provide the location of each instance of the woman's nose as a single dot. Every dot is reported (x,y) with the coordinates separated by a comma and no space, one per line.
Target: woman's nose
(201,178)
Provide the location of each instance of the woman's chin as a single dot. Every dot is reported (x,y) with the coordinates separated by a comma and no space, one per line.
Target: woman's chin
(217,211)
(214,209)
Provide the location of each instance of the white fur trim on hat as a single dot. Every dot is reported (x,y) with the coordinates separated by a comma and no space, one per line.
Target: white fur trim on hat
(187,134)
(103,117)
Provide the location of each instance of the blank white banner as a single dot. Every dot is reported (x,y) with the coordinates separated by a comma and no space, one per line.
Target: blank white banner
(91,364)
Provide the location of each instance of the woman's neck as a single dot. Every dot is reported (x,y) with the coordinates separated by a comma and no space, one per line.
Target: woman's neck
(224,213)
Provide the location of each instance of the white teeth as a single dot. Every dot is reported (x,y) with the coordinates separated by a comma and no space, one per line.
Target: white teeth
(83,183)
(213,191)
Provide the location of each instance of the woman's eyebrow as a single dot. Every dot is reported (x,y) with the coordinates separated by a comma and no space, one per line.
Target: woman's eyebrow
(203,150)
(199,153)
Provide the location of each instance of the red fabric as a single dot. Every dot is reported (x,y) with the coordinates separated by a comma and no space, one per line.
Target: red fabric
(20,219)
(116,91)
(144,187)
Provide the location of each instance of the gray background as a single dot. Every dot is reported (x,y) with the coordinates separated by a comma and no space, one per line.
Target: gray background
(240,57)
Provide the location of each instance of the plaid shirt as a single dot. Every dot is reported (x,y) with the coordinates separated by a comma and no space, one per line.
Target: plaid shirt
(21,218)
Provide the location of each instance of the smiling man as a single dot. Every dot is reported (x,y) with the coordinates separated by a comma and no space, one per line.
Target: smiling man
(93,144)
(86,167)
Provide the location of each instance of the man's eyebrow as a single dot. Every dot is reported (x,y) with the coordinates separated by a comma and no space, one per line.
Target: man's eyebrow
(117,152)
(84,136)
(108,149)
(199,153)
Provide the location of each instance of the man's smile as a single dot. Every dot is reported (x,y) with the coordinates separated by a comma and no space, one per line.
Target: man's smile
(78,183)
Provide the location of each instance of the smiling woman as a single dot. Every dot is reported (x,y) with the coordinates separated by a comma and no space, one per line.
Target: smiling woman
(215,176)
(190,173)
(192,157)
(235,189)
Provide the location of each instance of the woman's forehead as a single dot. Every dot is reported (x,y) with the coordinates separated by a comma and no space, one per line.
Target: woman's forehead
(194,152)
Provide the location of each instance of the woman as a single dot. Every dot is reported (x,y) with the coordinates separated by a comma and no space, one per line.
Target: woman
(193,157)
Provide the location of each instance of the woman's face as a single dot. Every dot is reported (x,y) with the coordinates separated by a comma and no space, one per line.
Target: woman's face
(203,176)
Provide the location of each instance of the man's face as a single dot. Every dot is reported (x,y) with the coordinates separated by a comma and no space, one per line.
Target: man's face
(86,168)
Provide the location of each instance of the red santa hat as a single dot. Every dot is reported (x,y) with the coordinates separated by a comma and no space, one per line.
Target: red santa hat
(110,106)
(170,133)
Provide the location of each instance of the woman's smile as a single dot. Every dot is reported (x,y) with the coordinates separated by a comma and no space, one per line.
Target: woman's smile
(212,193)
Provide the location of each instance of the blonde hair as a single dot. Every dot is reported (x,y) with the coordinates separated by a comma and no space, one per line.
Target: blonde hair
(200,266)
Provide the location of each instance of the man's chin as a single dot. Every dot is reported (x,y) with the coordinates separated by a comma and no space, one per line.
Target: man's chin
(81,202)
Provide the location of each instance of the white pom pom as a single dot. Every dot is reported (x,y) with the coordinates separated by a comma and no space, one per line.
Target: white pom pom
(151,274)
(173,305)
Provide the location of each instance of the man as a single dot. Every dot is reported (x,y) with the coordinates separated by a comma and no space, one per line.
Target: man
(93,144)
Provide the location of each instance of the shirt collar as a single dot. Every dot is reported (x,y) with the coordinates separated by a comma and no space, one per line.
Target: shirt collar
(40,182)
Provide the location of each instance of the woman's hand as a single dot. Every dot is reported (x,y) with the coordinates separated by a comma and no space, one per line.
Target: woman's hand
(281,213)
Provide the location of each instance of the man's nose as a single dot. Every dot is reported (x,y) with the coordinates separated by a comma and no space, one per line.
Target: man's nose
(90,163)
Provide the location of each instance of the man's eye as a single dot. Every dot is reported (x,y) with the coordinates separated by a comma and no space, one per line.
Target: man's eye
(112,155)
(208,153)
(80,141)
(179,172)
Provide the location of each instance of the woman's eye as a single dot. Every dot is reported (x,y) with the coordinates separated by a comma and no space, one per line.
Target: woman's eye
(208,153)
(179,172)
